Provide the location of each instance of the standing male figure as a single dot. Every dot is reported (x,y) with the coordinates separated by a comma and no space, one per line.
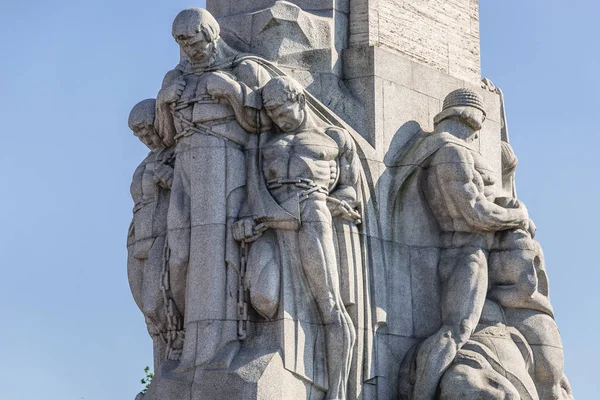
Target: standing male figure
(208,186)
(150,191)
(456,193)
(314,168)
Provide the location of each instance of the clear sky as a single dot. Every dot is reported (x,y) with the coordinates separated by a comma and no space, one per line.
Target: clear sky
(72,70)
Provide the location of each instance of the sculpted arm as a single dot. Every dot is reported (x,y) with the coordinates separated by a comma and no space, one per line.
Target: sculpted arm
(243,95)
(172,87)
(455,170)
(164,176)
(344,197)
(348,168)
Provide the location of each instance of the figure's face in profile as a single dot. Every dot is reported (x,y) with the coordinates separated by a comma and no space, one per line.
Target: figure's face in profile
(197,47)
(287,116)
(148,136)
(478,117)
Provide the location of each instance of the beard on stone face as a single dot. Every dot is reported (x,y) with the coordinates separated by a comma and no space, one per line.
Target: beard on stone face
(204,56)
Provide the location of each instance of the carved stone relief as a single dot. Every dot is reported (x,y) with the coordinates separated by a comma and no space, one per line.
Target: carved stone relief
(276,253)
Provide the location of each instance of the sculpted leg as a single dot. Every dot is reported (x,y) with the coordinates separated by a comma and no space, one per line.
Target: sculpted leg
(320,266)
(542,334)
(152,296)
(135,275)
(178,235)
(463,296)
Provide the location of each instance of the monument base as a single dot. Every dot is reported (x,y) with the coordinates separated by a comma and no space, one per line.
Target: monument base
(253,375)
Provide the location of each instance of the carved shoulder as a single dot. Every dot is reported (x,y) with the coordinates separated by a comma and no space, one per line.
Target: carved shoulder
(171,76)
(342,138)
(252,74)
(452,153)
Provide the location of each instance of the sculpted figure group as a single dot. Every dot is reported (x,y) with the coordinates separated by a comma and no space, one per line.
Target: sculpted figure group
(248,209)
(498,338)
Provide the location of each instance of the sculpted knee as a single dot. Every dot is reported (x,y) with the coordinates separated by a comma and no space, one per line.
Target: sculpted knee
(153,308)
(459,334)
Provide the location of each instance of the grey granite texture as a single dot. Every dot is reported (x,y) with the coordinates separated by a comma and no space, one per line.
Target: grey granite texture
(329,211)
(442,34)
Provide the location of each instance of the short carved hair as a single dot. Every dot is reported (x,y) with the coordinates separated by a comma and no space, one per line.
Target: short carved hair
(143,113)
(195,20)
(281,89)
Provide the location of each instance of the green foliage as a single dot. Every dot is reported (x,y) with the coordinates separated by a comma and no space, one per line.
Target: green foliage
(147,379)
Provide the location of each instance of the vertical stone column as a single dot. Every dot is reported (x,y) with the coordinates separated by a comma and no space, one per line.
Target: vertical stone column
(443,34)
(414,50)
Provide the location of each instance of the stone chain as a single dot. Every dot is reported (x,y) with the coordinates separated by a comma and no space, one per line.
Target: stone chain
(175,333)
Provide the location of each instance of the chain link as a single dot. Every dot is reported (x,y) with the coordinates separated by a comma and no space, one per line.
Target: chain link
(175,333)
(242,305)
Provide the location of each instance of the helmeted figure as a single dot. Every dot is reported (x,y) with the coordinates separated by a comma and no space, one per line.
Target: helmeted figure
(208,187)
(451,178)
(455,191)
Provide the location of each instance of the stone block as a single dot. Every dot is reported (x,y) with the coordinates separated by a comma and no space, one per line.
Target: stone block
(441,34)
(220,8)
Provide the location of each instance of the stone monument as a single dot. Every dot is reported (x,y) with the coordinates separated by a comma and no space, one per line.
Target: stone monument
(328,211)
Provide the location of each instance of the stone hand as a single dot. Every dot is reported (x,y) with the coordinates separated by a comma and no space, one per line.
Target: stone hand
(163,174)
(219,84)
(247,230)
(525,222)
(340,208)
(172,93)
(522,214)
(507,202)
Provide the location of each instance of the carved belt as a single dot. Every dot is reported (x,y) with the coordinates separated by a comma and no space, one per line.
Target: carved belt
(308,185)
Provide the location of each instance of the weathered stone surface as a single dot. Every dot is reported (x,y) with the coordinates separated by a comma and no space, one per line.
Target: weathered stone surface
(441,34)
(304,38)
(319,219)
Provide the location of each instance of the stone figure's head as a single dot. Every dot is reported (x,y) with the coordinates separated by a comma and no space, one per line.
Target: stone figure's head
(141,122)
(197,32)
(517,270)
(285,103)
(465,105)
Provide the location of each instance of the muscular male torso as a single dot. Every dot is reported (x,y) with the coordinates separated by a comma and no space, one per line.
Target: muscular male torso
(442,186)
(308,154)
(150,199)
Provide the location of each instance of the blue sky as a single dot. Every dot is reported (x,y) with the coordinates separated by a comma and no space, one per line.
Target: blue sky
(70,73)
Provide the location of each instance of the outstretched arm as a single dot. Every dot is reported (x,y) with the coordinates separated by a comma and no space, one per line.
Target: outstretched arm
(172,87)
